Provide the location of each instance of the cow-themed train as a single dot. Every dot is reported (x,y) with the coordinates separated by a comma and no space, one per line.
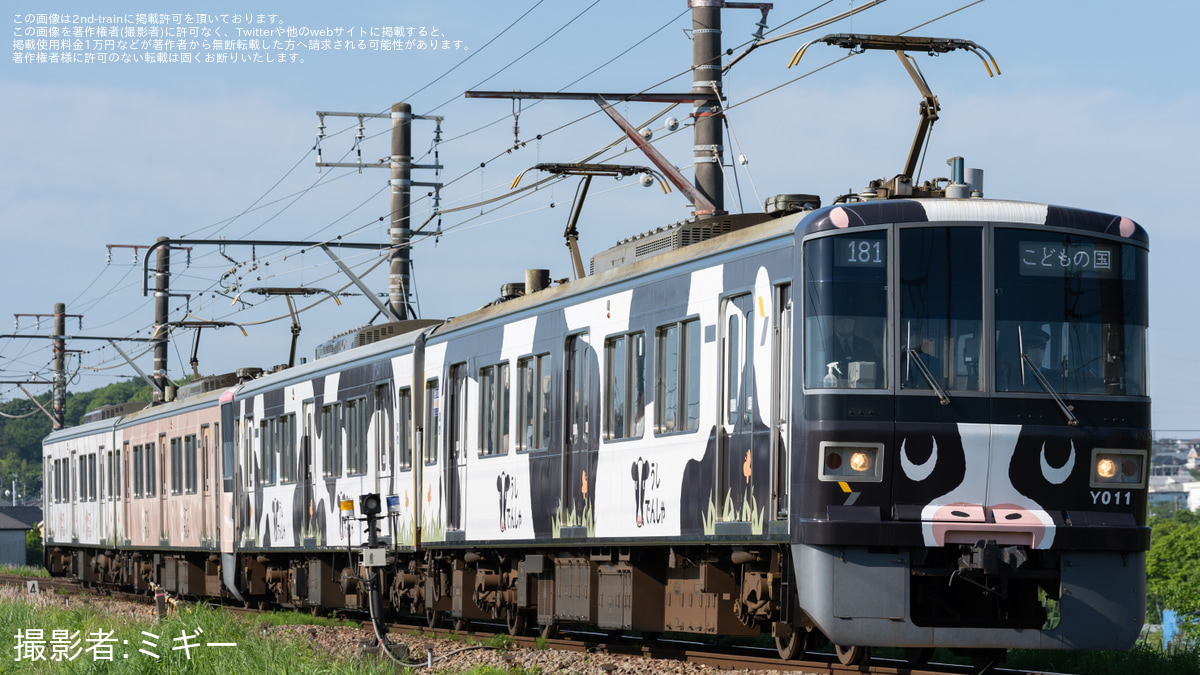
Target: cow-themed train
(885,422)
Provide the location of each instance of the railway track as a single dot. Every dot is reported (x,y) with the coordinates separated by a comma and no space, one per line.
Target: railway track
(597,645)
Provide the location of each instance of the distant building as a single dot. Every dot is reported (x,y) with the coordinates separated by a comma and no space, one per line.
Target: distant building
(12,540)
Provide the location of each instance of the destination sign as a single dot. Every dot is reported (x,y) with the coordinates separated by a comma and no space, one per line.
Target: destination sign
(1045,259)
(861,253)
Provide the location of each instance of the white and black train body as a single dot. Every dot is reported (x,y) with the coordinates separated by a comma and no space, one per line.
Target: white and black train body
(899,423)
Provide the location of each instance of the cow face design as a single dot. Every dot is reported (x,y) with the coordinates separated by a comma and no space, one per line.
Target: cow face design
(647,507)
(510,515)
(985,504)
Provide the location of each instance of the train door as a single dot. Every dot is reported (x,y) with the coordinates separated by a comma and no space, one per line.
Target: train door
(72,484)
(456,446)
(383,437)
(580,435)
(125,492)
(206,449)
(306,468)
(741,440)
(781,399)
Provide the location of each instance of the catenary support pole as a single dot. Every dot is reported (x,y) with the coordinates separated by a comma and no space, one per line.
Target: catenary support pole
(399,279)
(60,369)
(162,286)
(706,82)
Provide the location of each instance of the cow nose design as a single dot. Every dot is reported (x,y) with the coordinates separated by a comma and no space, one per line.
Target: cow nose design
(1007,524)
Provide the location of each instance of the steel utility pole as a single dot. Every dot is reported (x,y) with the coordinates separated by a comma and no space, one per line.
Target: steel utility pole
(162,285)
(706,85)
(60,371)
(401,166)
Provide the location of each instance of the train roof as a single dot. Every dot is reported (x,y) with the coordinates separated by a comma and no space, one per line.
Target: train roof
(878,212)
(80,431)
(335,362)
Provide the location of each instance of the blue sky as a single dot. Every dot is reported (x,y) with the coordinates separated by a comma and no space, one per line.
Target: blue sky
(1095,108)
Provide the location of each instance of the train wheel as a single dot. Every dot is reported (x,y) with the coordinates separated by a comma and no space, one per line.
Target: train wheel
(548,631)
(515,618)
(460,625)
(794,646)
(853,655)
(433,618)
(918,656)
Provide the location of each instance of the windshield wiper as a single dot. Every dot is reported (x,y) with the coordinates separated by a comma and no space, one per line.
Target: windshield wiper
(915,357)
(1041,379)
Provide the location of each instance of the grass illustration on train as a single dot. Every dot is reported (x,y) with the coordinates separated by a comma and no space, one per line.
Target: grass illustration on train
(915,417)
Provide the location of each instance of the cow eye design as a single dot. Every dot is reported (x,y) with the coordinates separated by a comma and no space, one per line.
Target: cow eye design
(917,472)
(1058,476)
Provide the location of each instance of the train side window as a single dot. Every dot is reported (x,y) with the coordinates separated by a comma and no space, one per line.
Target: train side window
(625,386)
(137,472)
(189,464)
(287,448)
(385,433)
(533,402)
(331,439)
(92,477)
(846,311)
(152,468)
(356,436)
(176,466)
(404,460)
(677,378)
(432,420)
(118,470)
(493,410)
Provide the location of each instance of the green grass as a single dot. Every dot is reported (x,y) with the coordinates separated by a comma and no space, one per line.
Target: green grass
(252,653)
(24,571)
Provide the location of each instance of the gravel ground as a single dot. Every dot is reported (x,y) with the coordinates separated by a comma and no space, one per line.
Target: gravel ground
(454,657)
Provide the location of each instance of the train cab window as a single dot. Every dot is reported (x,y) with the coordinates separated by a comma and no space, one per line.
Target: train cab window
(941,307)
(493,410)
(228,452)
(356,436)
(533,404)
(404,460)
(625,386)
(432,421)
(677,378)
(287,448)
(384,432)
(331,440)
(846,311)
(1075,308)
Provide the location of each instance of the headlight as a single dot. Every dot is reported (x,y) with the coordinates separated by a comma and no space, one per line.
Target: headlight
(851,462)
(1118,468)
(860,462)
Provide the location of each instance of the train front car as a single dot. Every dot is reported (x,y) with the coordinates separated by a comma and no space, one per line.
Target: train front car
(975,426)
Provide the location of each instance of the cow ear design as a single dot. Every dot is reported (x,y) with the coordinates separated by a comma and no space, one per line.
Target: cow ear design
(918,472)
(1058,476)
(645,470)
(499,483)
(633,470)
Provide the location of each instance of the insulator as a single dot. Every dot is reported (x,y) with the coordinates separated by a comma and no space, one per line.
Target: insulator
(359,134)
(108,257)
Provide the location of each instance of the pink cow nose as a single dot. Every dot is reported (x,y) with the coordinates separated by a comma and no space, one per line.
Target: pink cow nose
(1006,524)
